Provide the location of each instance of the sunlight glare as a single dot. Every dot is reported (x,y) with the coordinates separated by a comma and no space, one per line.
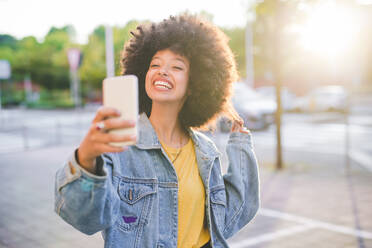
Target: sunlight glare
(329,30)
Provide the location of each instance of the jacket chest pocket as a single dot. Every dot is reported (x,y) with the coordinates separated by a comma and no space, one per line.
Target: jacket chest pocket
(137,198)
(218,204)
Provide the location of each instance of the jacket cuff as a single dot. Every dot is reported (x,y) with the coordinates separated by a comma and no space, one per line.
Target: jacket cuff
(240,138)
(75,167)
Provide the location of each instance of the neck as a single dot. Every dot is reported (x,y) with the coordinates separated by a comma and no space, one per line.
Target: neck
(164,119)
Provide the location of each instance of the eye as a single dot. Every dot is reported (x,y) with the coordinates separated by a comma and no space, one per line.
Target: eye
(154,65)
(178,68)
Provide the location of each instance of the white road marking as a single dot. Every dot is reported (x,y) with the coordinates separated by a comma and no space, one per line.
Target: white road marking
(306,224)
(271,236)
(361,158)
(315,223)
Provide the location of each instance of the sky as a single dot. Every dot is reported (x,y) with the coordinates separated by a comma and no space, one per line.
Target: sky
(21,18)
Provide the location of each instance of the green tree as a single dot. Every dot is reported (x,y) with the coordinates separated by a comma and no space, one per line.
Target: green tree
(25,57)
(50,65)
(237,45)
(8,41)
(274,43)
(121,36)
(93,68)
(46,63)
(8,45)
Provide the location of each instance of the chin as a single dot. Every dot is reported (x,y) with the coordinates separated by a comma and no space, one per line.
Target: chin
(163,100)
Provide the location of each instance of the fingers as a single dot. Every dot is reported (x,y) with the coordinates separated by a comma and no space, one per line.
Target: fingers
(104,113)
(237,126)
(244,130)
(97,141)
(103,148)
(240,122)
(105,138)
(113,123)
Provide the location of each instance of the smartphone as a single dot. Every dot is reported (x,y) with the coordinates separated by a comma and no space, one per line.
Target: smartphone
(122,93)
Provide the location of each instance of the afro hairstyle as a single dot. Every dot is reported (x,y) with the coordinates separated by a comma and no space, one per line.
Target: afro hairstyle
(212,65)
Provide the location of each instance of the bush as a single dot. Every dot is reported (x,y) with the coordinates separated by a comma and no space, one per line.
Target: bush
(52,99)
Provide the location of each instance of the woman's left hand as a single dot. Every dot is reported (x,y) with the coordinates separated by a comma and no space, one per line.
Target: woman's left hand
(237,126)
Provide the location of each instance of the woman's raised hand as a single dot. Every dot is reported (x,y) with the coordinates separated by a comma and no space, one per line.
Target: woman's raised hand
(97,140)
(238,126)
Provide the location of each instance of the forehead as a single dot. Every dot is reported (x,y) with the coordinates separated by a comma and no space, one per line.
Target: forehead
(170,55)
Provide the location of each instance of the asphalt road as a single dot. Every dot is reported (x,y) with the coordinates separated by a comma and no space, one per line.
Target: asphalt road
(324,132)
(317,201)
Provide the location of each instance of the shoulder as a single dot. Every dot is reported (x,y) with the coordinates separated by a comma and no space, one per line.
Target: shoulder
(202,137)
(203,142)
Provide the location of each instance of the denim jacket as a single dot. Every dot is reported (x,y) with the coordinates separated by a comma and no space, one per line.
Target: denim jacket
(135,202)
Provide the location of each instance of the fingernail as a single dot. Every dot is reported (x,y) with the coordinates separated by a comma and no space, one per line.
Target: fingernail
(133,137)
(117,112)
(132,122)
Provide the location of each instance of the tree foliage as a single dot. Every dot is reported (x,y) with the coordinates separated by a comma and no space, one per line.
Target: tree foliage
(45,62)
(47,65)
(277,45)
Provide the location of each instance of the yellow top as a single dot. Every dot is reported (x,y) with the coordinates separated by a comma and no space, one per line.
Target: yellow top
(192,228)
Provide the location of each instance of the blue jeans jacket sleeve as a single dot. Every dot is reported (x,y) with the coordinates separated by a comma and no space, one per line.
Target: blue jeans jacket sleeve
(241,183)
(84,200)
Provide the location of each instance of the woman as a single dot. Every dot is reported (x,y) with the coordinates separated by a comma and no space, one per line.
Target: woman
(167,190)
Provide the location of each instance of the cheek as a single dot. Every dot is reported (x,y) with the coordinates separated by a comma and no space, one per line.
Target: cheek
(148,75)
(185,80)
(147,82)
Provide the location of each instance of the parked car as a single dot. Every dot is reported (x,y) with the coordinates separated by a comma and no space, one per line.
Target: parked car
(256,110)
(325,98)
(287,97)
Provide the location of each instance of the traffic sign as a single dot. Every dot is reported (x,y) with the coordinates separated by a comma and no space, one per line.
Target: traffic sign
(5,71)
(73,55)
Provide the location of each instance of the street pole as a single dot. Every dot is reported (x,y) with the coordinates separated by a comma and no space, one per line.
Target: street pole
(110,66)
(74,57)
(249,54)
(75,87)
(5,73)
(1,95)
(27,84)
(278,85)
(347,135)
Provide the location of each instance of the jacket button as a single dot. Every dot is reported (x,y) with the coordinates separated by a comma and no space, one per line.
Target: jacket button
(130,194)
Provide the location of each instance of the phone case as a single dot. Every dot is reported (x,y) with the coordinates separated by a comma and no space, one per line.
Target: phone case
(122,93)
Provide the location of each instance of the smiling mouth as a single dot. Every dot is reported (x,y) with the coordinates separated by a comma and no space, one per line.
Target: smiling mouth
(163,85)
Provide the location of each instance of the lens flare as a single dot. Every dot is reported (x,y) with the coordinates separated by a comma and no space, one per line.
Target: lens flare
(329,30)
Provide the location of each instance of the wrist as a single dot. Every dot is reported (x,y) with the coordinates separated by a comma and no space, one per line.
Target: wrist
(88,164)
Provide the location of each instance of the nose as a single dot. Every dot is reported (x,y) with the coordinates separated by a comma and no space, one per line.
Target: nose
(163,71)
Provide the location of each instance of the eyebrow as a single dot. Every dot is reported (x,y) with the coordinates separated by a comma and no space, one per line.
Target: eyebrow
(179,59)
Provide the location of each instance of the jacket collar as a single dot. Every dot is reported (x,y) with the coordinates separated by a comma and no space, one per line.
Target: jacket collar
(147,139)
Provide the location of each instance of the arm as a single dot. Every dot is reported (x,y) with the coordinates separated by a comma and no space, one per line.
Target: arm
(241,182)
(85,200)
(85,195)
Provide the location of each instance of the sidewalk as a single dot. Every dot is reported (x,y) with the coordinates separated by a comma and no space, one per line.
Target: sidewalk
(314,202)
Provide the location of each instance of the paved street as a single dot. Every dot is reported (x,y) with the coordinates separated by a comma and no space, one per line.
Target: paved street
(317,201)
(33,129)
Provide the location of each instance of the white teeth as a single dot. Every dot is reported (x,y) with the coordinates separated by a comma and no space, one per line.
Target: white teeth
(163,84)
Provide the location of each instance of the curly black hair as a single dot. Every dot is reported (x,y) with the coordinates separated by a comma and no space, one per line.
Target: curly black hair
(212,65)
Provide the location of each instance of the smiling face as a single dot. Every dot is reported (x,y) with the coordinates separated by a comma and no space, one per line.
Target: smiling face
(167,77)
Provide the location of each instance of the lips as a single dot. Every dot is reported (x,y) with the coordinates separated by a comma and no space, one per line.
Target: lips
(163,84)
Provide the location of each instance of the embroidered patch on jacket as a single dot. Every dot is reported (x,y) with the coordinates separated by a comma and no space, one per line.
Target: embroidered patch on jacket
(129,219)
(86,185)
